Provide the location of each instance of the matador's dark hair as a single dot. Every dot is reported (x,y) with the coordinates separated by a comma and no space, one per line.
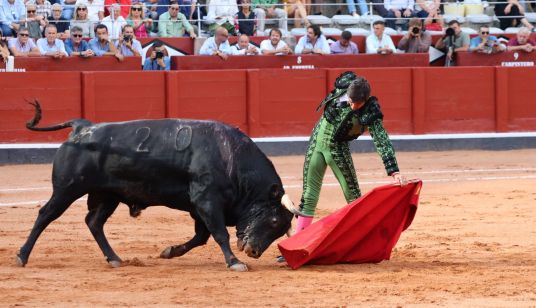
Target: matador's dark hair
(359,90)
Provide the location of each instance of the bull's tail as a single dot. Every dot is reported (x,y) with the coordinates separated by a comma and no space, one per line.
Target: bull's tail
(37,117)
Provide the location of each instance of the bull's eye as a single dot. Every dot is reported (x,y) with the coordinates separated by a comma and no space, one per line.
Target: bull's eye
(274,221)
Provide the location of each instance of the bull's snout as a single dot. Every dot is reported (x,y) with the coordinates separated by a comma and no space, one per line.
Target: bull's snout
(252,252)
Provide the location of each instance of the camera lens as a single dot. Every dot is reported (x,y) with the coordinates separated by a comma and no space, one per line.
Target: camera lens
(450,31)
(415,30)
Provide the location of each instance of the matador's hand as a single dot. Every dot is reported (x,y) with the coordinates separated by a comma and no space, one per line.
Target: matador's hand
(399,179)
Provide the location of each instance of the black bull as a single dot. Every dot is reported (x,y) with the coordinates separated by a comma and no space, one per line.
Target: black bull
(211,170)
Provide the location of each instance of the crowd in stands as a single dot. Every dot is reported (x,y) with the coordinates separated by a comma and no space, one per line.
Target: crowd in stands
(61,28)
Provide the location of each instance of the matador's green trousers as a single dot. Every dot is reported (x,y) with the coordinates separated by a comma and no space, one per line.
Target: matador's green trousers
(319,156)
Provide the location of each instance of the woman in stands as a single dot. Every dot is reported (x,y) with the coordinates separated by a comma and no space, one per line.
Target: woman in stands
(4,50)
(295,9)
(511,13)
(81,20)
(136,18)
(246,18)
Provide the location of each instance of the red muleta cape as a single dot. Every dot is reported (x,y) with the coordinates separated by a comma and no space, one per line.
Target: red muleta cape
(364,231)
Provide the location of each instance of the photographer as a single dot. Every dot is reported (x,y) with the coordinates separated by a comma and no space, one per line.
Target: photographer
(127,45)
(159,61)
(485,43)
(453,41)
(416,40)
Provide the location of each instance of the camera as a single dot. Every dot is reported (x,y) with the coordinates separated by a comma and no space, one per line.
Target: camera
(159,54)
(450,32)
(415,30)
(127,38)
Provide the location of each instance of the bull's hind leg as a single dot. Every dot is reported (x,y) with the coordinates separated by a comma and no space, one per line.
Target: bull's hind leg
(101,206)
(53,209)
(200,238)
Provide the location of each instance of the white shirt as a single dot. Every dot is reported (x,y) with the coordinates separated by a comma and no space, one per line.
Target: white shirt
(237,51)
(209,46)
(93,8)
(304,43)
(373,43)
(114,27)
(224,8)
(399,4)
(267,45)
(44,47)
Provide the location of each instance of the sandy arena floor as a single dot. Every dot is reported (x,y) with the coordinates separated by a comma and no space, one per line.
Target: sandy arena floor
(472,243)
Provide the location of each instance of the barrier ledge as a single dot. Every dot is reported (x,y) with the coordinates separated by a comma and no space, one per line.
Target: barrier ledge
(108,63)
(44,153)
(299,62)
(506,59)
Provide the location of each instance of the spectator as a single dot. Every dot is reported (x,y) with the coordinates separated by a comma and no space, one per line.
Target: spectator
(128,45)
(522,41)
(511,13)
(174,24)
(123,4)
(485,42)
(296,10)
(379,7)
(76,46)
(44,8)
(246,18)
(344,46)
(379,42)
(397,9)
(416,40)
(159,60)
(274,45)
(33,22)
(4,49)
(137,20)
(454,41)
(313,43)
(12,15)
(62,25)
(50,46)
(161,6)
(187,7)
(425,8)
(363,9)
(95,9)
(101,44)
(434,22)
(114,22)
(267,9)
(221,13)
(82,21)
(244,47)
(218,45)
(23,45)
(68,8)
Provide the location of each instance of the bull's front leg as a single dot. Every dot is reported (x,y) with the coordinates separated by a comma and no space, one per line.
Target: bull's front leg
(214,220)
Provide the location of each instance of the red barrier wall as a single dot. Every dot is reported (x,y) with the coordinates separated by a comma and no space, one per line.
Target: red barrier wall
(208,95)
(122,96)
(272,102)
(76,64)
(58,93)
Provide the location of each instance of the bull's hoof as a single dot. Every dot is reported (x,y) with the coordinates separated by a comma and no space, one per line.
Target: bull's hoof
(19,261)
(239,267)
(173,251)
(115,263)
(166,254)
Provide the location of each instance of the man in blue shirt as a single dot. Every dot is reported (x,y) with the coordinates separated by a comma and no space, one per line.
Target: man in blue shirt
(485,43)
(313,43)
(76,46)
(101,45)
(12,14)
(51,46)
(128,45)
(158,61)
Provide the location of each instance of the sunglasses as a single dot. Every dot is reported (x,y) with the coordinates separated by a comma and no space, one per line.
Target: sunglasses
(30,11)
(81,9)
(174,8)
(24,34)
(136,8)
(77,35)
(484,32)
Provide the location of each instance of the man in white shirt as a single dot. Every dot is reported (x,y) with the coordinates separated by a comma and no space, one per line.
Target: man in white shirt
(243,47)
(379,42)
(221,13)
(313,43)
(274,45)
(218,45)
(51,46)
(114,22)
(128,45)
(397,9)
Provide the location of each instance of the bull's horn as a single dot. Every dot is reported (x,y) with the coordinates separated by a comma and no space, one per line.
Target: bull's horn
(289,205)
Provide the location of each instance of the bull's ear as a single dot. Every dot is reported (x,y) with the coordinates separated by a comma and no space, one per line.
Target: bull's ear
(276,192)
